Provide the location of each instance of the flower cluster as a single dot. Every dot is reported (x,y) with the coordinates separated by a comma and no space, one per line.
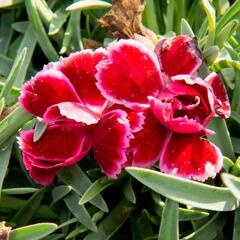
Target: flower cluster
(130,105)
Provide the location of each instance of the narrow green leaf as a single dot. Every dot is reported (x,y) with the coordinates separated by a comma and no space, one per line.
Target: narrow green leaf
(59,192)
(9,3)
(25,214)
(11,124)
(236,144)
(6,31)
(210,229)
(6,64)
(186,191)
(40,32)
(2,105)
(88,4)
(66,38)
(5,154)
(210,54)
(79,182)
(128,191)
(112,222)
(33,232)
(233,183)
(236,228)
(231,12)
(225,63)
(12,204)
(39,130)
(15,71)
(54,237)
(227,164)
(222,138)
(186,29)
(184,213)
(20,27)
(235,98)
(79,211)
(59,18)
(97,187)
(210,12)
(16,191)
(169,221)
(170,16)
(226,32)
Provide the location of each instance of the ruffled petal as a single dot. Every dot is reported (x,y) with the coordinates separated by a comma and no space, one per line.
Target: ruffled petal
(110,142)
(146,146)
(178,55)
(39,175)
(47,88)
(80,68)
(70,111)
(222,105)
(59,144)
(130,74)
(190,156)
(185,106)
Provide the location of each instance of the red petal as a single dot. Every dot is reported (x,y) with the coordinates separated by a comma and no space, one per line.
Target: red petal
(130,74)
(222,105)
(40,175)
(185,106)
(146,146)
(178,55)
(190,156)
(60,144)
(47,88)
(80,68)
(70,111)
(110,141)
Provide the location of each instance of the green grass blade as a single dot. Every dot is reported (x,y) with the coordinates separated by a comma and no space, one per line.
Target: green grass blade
(186,191)
(186,29)
(169,221)
(39,130)
(5,154)
(6,32)
(79,211)
(17,191)
(10,3)
(88,4)
(15,71)
(40,32)
(233,183)
(33,232)
(79,182)
(231,12)
(128,191)
(59,192)
(26,213)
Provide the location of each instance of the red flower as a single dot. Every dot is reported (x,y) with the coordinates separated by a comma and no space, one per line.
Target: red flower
(66,97)
(165,83)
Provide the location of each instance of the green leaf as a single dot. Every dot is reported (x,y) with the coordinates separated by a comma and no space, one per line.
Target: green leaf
(15,71)
(59,192)
(186,29)
(128,191)
(12,204)
(88,4)
(79,211)
(9,3)
(227,164)
(184,214)
(5,154)
(33,232)
(112,222)
(96,188)
(210,54)
(186,191)
(11,124)
(236,228)
(222,138)
(226,32)
(169,221)
(20,26)
(17,191)
(79,182)
(210,229)
(59,18)
(25,214)
(40,32)
(39,130)
(233,183)
(2,105)
(231,12)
